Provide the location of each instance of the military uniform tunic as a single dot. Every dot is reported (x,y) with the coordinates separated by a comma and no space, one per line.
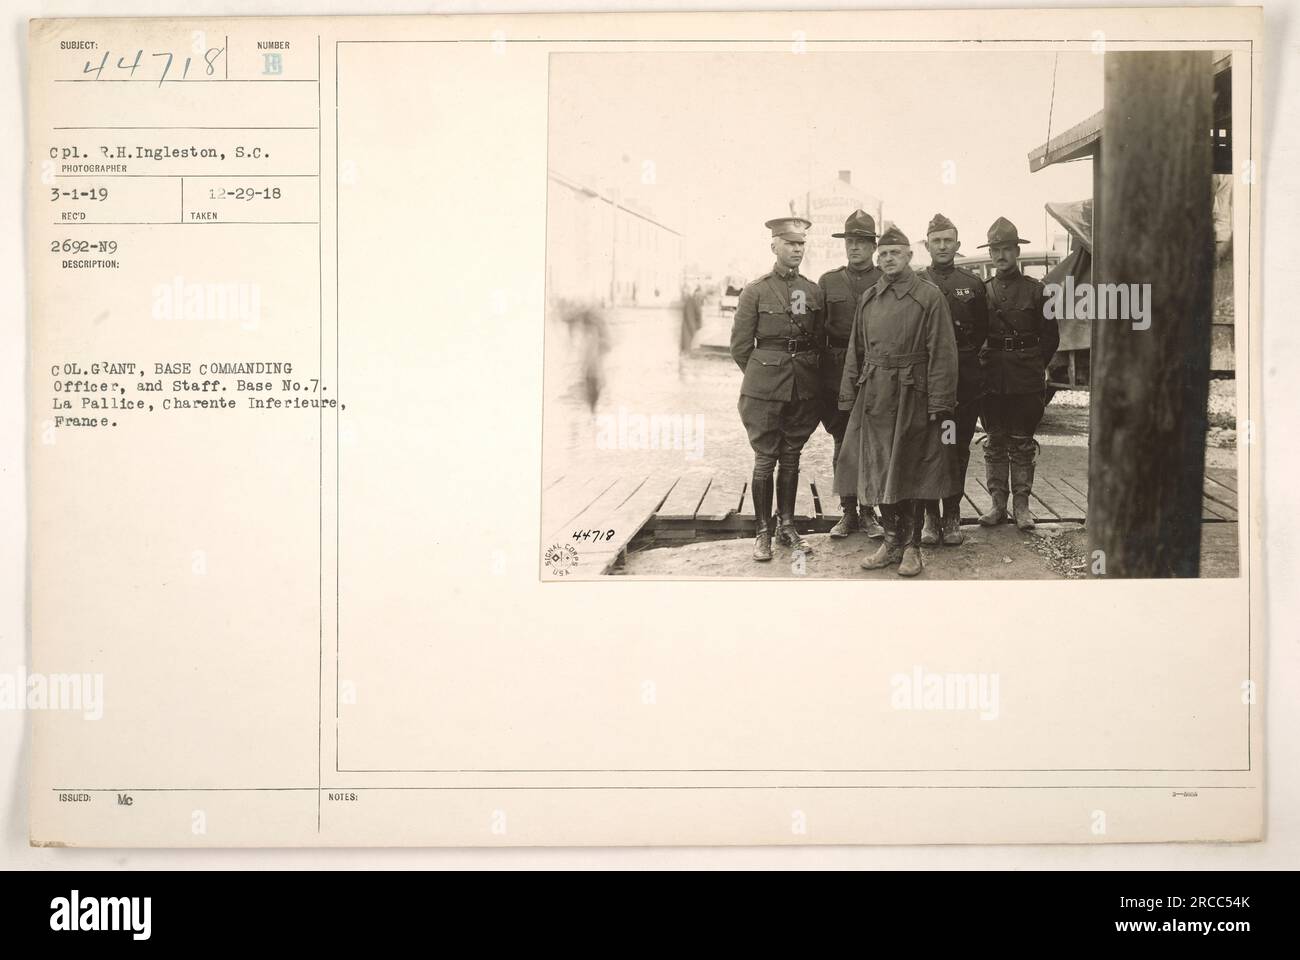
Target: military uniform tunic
(775,340)
(1020,343)
(842,288)
(1011,362)
(900,368)
(968,305)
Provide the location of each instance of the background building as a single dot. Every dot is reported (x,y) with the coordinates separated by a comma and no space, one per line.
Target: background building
(828,206)
(600,248)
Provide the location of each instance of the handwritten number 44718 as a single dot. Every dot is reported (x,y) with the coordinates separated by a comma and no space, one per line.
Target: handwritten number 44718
(596,536)
(210,58)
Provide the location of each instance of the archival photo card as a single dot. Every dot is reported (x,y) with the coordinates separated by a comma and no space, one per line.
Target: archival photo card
(675,429)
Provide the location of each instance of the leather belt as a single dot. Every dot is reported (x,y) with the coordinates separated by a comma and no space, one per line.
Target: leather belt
(896,359)
(1016,342)
(791,344)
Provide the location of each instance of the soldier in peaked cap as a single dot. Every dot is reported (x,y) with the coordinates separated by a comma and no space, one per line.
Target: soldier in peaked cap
(900,381)
(968,305)
(1021,341)
(776,340)
(842,288)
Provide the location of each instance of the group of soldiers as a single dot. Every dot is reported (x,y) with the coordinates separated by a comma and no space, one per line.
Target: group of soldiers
(896,365)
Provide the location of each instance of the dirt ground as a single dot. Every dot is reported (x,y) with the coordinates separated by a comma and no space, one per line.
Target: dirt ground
(1050,552)
(988,553)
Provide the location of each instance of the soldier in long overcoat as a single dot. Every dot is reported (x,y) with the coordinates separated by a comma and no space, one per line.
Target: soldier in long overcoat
(900,382)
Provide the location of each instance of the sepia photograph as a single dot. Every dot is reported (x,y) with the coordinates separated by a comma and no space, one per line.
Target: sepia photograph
(961,314)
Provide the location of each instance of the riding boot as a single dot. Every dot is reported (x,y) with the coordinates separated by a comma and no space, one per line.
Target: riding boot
(909,523)
(952,535)
(1022,483)
(787,488)
(889,552)
(760,490)
(997,474)
(930,527)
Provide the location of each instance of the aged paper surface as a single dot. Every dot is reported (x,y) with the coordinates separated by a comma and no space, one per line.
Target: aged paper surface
(298,393)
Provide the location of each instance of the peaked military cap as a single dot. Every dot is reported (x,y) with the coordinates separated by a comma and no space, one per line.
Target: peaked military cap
(894,236)
(789,228)
(859,224)
(1001,233)
(939,222)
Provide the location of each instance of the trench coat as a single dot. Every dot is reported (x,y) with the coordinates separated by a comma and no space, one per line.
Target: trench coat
(901,367)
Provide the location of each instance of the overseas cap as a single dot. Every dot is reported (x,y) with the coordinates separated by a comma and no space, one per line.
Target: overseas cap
(859,224)
(939,222)
(1001,233)
(896,237)
(789,228)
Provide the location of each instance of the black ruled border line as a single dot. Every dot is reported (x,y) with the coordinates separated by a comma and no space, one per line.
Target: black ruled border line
(187,223)
(174,127)
(192,176)
(320,454)
(1246,560)
(338,463)
(1246,554)
(204,80)
(672,786)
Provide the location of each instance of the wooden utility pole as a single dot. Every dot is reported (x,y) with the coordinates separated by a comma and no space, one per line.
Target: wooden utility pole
(1148,410)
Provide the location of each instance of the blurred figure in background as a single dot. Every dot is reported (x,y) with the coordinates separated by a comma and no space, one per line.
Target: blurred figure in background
(692,318)
(589,339)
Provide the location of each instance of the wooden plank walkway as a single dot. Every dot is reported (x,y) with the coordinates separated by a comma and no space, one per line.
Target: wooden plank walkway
(599,516)
(569,496)
(608,514)
(675,519)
